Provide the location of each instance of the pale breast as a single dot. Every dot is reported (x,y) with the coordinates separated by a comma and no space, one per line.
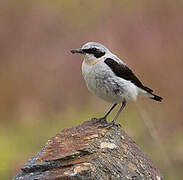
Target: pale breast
(102,83)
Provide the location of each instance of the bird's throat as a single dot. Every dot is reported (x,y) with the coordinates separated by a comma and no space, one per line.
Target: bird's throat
(92,61)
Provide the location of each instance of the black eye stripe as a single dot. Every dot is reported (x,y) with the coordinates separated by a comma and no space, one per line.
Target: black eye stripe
(97,53)
(91,50)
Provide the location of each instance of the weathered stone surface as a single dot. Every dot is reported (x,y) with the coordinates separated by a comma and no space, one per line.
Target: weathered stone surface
(90,151)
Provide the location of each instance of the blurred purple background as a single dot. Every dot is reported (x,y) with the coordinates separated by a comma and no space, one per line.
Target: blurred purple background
(41,81)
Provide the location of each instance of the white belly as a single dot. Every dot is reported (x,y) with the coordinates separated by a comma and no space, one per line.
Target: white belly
(102,82)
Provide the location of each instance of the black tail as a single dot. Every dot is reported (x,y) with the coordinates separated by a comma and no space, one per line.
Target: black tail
(157,98)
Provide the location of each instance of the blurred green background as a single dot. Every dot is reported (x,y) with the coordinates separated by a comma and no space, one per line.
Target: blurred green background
(42,90)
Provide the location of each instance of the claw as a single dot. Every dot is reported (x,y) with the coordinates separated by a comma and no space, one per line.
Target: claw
(109,125)
(102,120)
(112,124)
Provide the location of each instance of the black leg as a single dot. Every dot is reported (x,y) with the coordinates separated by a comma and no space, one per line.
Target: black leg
(110,111)
(103,119)
(121,108)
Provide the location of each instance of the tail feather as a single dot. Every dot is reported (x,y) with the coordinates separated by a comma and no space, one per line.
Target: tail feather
(149,93)
(157,98)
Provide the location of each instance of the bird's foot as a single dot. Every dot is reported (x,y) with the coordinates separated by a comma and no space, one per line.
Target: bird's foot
(112,124)
(102,120)
(107,125)
(104,124)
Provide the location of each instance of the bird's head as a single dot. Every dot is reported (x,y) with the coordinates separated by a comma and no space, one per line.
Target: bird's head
(91,51)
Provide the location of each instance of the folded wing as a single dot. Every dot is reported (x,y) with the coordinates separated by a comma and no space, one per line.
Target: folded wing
(124,72)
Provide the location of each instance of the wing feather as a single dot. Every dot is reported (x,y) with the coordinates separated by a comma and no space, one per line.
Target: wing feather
(124,72)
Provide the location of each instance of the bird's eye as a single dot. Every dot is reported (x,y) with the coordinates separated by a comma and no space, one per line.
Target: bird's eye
(91,50)
(96,52)
(94,49)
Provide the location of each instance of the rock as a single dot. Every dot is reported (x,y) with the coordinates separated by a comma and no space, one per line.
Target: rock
(91,151)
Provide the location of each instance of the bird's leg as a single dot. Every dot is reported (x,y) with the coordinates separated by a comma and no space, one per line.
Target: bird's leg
(112,123)
(117,115)
(109,111)
(104,118)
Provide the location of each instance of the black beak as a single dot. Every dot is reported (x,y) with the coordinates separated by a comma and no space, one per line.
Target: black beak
(80,51)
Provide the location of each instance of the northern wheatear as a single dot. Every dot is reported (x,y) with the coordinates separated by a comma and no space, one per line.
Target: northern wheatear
(109,78)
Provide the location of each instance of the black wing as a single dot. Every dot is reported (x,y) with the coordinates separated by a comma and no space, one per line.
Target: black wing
(124,72)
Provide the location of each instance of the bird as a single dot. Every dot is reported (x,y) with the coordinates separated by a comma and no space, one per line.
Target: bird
(109,78)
